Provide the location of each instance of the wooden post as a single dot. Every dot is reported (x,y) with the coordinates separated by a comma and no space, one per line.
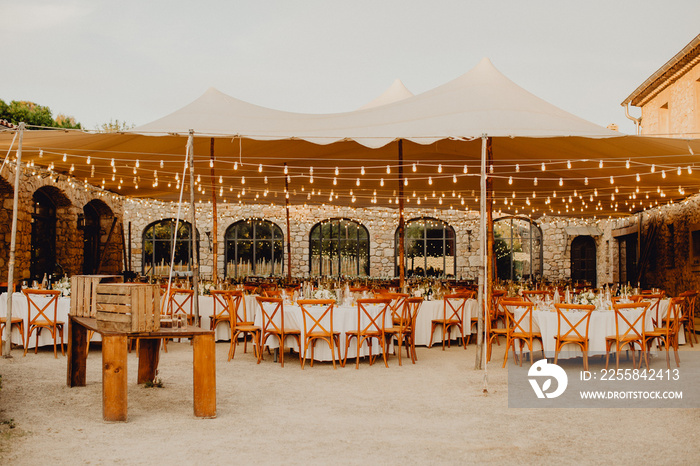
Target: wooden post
(402,242)
(129,247)
(489,231)
(193,233)
(104,249)
(204,371)
(13,242)
(148,359)
(214,218)
(114,386)
(77,354)
(289,230)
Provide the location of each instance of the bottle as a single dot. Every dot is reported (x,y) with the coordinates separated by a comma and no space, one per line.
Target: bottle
(430,293)
(49,283)
(44,282)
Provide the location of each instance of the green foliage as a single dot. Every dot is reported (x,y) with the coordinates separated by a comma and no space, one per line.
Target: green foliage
(156,383)
(33,114)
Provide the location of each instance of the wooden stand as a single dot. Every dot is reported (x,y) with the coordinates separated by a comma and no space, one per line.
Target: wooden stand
(114,364)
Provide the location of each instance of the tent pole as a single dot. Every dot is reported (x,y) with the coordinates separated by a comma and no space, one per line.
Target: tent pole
(402,245)
(193,233)
(289,230)
(479,362)
(7,338)
(215,223)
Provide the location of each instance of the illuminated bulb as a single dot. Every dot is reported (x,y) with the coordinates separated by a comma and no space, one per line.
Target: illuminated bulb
(612,180)
(357,183)
(513,194)
(678,171)
(311,170)
(64,157)
(335,181)
(638,178)
(440,168)
(690,170)
(211,163)
(362,170)
(430,180)
(381,182)
(543,167)
(235,165)
(510,180)
(199,179)
(221,179)
(535,181)
(600,165)
(336,171)
(260,168)
(265,180)
(617,190)
(311,179)
(663,173)
(161,163)
(72,168)
(568,164)
(653,168)
(41,153)
(242,179)
(454,178)
(464,170)
(414,167)
(388,170)
(137,163)
(561,181)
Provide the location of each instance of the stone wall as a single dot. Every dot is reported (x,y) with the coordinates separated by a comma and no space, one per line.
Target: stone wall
(682,117)
(69,198)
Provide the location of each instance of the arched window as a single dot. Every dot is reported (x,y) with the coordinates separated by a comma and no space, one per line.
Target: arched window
(517,248)
(429,248)
(157,247)
(43,251)
(339,246)
(583,260)
(254,247)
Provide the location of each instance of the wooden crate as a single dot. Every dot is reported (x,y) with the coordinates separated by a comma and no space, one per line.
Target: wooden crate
(128,307)
(82,296)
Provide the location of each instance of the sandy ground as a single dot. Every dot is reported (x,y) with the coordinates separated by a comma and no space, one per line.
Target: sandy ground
(431,412)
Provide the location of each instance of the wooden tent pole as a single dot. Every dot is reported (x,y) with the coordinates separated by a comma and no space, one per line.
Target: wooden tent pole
(193,233)
(289,230)
(483,268)
(214,218)
(402,245)
(7,337)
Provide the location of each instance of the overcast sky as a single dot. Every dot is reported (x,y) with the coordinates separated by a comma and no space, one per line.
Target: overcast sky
(137,61)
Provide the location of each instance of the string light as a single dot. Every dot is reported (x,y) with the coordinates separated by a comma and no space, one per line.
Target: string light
(561,181)
(465,170)
(568,164)
(653,168)
(535,181)
(454,178)
(440,168)
(600,165)
(543,167)
(235,165)
(260,168)
(517,168)
(362,171)
(679,171)
(65,157)
(161,163)
(430,180)
(414,168)
(510,180)
(627,164)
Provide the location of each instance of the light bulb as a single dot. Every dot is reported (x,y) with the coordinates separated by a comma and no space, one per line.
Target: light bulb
(260,168)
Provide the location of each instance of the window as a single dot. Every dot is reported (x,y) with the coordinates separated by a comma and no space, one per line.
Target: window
(429,248)
(517,249)
(339,247)
(254,247)
(157,248)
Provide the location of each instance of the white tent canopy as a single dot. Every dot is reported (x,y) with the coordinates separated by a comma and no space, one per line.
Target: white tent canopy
(397,91)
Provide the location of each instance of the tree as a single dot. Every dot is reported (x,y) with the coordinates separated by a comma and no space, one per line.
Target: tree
(33,114)
(115,126)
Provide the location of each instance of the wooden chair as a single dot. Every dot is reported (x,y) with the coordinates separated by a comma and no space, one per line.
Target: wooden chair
(533,295)
(272,328)
(667,333)
(239,327)
(40,317)
(688,315)
(315,329)
(15,322)
(519,328)
(655,301)
(492,330)
(272,293)
(220,312)
(627,332)
(571,333)
(185,307)
(404,332)
(370,325)
(4,287)
(451,317)
(397,302)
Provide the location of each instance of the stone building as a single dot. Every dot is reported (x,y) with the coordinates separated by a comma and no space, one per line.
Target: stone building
(670,104)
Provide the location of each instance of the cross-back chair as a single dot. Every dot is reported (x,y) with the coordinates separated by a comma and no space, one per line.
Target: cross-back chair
(573,321)
(519,328)
(272,318)
(688,316)
(43,316)
(453,306)
(317,315)
(667,333)
(370,325)
(240,326)
(629,331)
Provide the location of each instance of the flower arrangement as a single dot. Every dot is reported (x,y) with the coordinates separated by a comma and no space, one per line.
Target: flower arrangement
(323,293)
(587,297)
(206,287)
(63,285)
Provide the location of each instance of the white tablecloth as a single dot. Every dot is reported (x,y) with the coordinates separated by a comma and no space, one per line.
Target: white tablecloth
(20,309)
(430,310)
(602,324)
(344,319)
